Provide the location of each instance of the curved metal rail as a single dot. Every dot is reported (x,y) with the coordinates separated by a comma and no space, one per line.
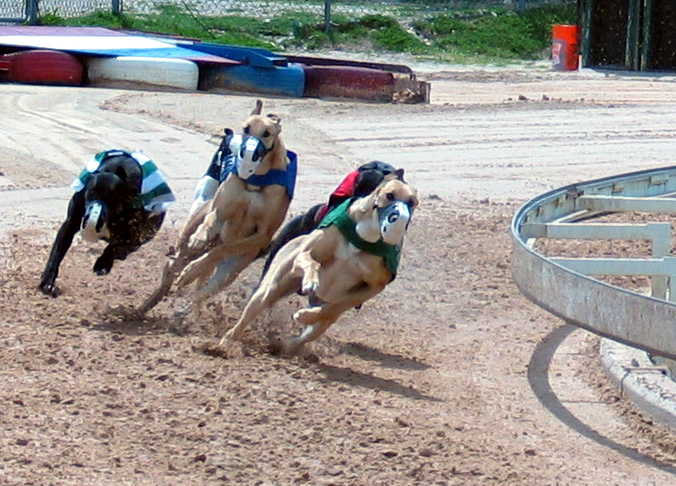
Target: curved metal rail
(562,285)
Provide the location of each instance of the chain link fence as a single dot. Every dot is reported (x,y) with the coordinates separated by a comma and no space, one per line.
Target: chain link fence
(28,10)
(12,11)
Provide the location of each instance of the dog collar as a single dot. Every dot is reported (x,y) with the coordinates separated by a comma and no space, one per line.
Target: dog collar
(286,178)
(340,218)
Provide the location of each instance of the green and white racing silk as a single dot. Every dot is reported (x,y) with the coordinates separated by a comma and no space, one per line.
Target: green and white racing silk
(155,196)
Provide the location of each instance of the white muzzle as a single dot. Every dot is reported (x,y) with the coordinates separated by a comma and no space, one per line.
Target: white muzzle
(250,157)
(394,221)
(93,224)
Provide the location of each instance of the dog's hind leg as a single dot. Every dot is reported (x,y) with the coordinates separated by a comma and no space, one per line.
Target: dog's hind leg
(263,298)
(171,269)
(226,273)
(319,318)
(308,334)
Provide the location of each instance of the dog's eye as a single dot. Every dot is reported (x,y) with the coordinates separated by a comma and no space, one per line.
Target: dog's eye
(246,130)
(390,196)
(266,134)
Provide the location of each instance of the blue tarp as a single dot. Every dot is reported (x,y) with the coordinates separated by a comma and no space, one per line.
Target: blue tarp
(98,41)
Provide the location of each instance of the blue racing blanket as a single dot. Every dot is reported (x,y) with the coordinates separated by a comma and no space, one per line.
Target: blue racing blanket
(286,178)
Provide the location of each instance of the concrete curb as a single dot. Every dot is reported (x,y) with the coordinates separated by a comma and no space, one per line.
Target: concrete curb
(646,385)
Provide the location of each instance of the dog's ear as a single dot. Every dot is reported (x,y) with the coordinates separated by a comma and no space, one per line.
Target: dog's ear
(121,173)
(228,131)
(277,120)
(400,174)
(259,108)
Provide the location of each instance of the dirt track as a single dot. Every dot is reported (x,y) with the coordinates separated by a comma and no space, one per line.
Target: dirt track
(449,377)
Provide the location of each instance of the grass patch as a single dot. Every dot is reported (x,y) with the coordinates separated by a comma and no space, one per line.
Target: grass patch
(370,32)
(468,34)
(499,33)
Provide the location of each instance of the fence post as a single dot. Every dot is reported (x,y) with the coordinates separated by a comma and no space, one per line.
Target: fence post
(117,7)
(327,15)
(32,11)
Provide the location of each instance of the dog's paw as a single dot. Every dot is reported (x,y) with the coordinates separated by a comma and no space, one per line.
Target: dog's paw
(306,316)
(227,338)
(200,238)
(197,243)
(233,334)
(103,265)
(183,313)
(309,287)
(49,289)
(290,347)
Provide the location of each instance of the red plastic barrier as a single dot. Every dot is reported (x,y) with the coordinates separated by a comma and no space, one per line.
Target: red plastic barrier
(42,67)
(564,47)
(348,82)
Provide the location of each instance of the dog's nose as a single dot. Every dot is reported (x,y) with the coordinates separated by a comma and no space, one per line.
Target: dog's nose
(252,150)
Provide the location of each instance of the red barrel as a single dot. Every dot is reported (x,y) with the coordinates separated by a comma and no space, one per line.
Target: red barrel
(564,47)
(41,66)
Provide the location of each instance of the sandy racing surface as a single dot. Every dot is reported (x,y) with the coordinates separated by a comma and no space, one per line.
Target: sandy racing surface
(449,377)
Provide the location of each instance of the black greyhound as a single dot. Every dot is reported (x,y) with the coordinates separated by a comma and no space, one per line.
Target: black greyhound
(121,199)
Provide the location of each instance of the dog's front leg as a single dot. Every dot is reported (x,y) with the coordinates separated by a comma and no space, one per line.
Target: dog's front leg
(64,238)
(205,232)
(224,206)
(104,263)
(112,252)
(308,268)
(226,273)
(320,245)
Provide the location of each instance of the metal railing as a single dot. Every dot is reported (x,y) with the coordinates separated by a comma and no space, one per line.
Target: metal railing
(563,286)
